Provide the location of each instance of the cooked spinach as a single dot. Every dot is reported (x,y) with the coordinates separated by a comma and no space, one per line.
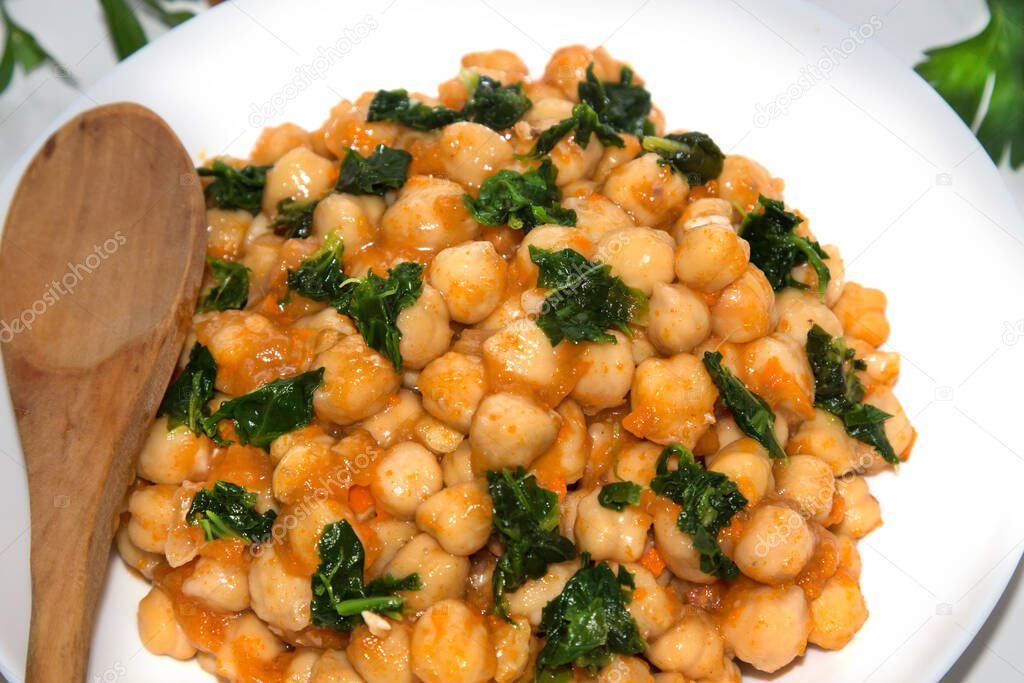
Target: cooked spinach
(525,518)
(492,104)
(582,123)
(776,249)
(708,501)
(229,511)
(234,188)
(623,105)
(339,594)
(274,409)
(694,155)
(617,495)
(185,400)
(585,300)
(520,200)
(294,218)
(752,414)
(397,107)
(230,289)
(383,170)
(320,277)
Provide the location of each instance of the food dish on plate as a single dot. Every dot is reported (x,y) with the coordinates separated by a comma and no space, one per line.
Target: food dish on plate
(507,384)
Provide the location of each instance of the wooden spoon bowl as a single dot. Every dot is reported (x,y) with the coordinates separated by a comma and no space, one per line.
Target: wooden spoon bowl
(100,264)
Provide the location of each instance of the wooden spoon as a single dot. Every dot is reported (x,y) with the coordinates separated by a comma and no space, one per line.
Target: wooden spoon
(100,264)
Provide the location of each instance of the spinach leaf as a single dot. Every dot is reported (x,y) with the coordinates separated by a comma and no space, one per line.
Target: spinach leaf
(586,300)
(708,500)
(320,276)
(385,169)
(230,289)
(838,390)
(229,511)
(526,520)
(588,622)
(693,155)
(492,104)
(520,200)
(294,218)
(751,412)
(339,595)
(583,122)
(185,400)
(777,250)
(234,188)
(397,107)
(617,495)
(276,408)
(373,303)
(622,105)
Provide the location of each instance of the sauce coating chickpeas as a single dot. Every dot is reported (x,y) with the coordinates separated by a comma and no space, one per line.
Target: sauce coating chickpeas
(514,354)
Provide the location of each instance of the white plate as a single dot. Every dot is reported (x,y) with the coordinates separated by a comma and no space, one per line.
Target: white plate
(874,157)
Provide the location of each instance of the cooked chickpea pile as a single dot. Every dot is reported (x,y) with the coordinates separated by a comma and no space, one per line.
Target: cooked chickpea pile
(403,456)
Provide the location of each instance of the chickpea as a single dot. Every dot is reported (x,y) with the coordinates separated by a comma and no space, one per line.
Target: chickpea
(807,482)
(799,310)
(510,430)
(159,630)
(742,181)
(862,512)
(354,217)
(511,648)
(607,374)
(382,659)
(428,216)
(152,510)
(530,599)
(391,535)
(308,524)
(226,232)
(636,462)
(746,463)
(848,555)
(547,111)
(141,561)
(615,157)
(652,194)
(824,437)
(568,509)
(552,238)
(278,597)
(610,535)
(746,308)
(777,370)
(623,669)
(451,644)
(567,67)
(654,607)
(574,162)
(171,456)
(471,278)
(452,387)
(837,275)
(676,547)
(457,466)
(404,477)
(458,517)
(775,545)
(766,626)
(275,141)
(470,152)
(357,382)
(500,60)
(597,215)
(301,666)
(443,575)
(710,257)
(249,644)
(437,436)
(692,647)
(425,330)
(333,667)
(705,211)
(642,257)
(222,586)
(396,421)
(672,400)
(838,613)
(521,355)
(567,457)
(300,174)
(861,311)
(678,319)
